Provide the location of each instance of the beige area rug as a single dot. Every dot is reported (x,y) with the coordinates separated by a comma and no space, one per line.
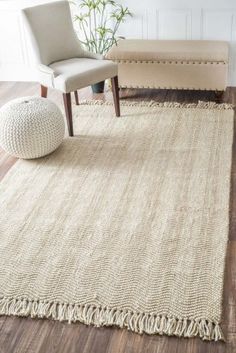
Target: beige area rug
(124,225)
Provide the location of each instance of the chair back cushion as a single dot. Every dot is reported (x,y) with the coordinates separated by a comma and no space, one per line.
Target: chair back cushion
(53,35)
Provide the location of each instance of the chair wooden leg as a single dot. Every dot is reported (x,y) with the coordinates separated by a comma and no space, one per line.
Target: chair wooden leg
(68,110)
(115,91)
(76,98)
(44,91)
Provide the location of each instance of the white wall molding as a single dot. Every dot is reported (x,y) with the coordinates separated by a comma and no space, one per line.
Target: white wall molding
(217,24)
(170,19)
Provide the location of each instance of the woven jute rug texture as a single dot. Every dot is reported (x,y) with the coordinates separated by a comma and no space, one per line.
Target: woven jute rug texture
(125,224)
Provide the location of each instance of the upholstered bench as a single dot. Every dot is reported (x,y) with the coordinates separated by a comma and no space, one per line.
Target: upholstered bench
(172,64)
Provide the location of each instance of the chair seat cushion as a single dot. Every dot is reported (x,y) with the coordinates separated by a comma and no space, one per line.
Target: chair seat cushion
(73,74)
(170,50)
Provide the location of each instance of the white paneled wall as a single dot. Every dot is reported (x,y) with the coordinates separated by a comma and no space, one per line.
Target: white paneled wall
(153,19)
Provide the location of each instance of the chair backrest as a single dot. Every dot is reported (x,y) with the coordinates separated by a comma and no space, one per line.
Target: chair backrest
(52,32)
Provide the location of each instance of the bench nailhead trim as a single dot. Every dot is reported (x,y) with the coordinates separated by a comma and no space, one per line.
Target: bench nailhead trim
(177,88)
(171,62)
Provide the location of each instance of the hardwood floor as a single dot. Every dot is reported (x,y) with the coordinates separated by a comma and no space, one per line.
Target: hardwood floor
(23,335)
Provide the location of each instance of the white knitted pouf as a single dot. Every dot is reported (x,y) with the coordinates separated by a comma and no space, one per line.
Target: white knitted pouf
(31,127)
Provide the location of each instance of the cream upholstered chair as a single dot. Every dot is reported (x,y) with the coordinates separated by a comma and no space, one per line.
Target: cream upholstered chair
(64,64)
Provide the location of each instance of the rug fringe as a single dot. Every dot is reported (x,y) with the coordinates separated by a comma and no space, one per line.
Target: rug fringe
(90,314)
(200,104)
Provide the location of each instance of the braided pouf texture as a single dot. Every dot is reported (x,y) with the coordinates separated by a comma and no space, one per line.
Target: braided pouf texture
(31,127)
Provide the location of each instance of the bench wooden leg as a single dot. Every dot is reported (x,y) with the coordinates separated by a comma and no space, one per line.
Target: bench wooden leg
(115,91)
(68,110)
(219,96)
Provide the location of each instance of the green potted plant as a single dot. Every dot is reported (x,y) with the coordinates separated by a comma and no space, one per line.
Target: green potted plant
(99,21)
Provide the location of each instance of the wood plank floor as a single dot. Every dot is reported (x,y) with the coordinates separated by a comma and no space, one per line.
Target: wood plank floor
(21,335)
